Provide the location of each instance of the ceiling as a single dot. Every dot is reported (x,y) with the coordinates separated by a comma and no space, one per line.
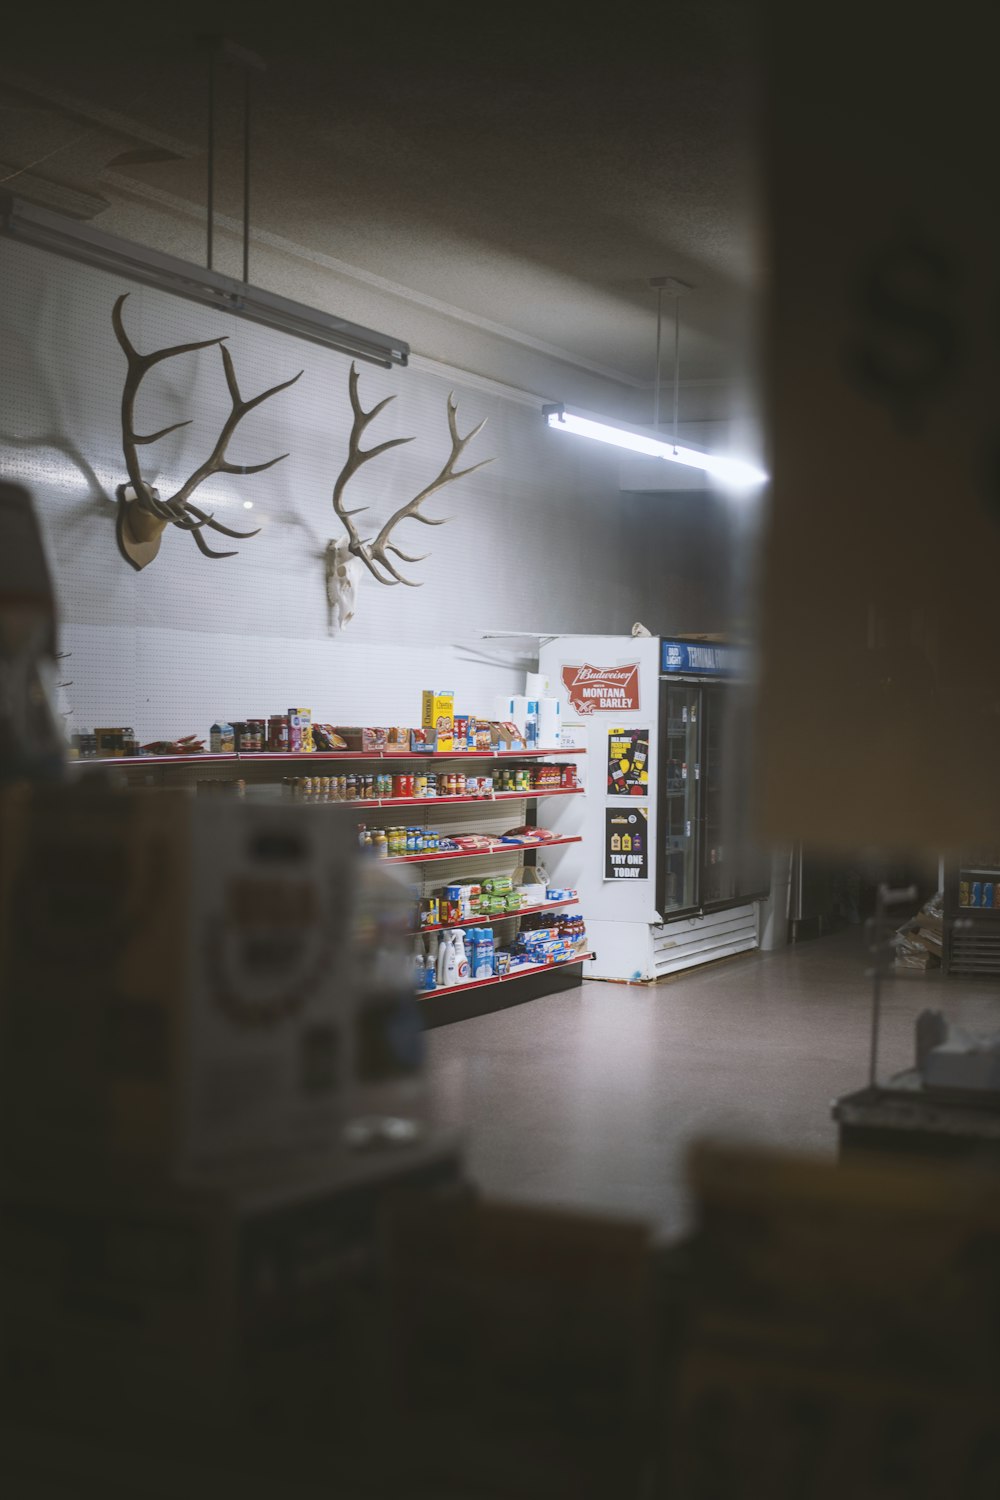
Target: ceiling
(525,171)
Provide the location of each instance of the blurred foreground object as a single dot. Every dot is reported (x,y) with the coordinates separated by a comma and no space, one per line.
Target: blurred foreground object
(176,983)
(879,712)
(31,739)
(522,1351)
(843,1332)
(200,999)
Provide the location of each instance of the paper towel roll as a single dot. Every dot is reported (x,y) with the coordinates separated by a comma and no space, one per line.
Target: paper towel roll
(549,723)
(536,684)
(515,710)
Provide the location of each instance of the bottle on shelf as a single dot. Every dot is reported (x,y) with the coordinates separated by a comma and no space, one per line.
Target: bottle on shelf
(481,962)
(451,959)
(441,967)
(462,969)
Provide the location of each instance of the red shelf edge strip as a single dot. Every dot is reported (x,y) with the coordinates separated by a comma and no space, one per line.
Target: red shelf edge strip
(432,854)
(248,757)
(521,973)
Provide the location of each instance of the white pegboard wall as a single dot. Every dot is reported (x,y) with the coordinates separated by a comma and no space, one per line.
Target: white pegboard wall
(536,540)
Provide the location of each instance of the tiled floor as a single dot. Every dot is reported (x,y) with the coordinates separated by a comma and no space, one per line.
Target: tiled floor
(589,1098)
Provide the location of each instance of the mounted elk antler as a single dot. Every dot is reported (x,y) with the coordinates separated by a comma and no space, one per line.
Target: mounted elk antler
(142,514)
(374,553)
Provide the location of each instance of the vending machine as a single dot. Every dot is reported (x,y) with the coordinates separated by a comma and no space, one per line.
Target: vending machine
(666,872)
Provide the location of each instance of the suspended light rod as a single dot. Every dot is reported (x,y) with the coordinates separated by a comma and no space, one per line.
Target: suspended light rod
(735,472)
(106,252)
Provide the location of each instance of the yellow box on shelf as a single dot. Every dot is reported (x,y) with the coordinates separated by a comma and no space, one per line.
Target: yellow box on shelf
(439,714)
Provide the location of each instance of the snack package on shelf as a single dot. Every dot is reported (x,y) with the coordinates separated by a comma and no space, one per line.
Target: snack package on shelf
(325,737)
(189,744)
(463,901)
(121,742)
(526,834)
(300,740)
(429,911)
(365,739)
(506,736)
(461,732)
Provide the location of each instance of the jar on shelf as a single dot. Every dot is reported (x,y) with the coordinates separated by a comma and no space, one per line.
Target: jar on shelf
(277,732)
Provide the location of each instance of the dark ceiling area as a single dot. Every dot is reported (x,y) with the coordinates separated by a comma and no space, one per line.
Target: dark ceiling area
(531,167)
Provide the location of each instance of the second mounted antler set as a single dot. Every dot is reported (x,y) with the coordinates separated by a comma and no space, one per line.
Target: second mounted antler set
(143,514)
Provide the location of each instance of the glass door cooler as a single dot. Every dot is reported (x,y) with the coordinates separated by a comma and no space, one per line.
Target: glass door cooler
(678,800)
(972,912)
(707,861)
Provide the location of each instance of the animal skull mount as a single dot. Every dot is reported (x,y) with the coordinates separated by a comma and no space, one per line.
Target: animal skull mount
(343,574)
(143,514)
(373,553)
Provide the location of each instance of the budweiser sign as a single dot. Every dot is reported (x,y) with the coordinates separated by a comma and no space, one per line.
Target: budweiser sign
(602,690)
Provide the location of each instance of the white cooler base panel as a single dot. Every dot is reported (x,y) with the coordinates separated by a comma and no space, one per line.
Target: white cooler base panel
(700,940)
(639,952)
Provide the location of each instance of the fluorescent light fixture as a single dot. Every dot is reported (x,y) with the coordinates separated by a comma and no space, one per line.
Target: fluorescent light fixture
(734,472)
(29,225)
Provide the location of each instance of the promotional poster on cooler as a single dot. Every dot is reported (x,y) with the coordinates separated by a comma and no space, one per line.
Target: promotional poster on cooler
(608,688)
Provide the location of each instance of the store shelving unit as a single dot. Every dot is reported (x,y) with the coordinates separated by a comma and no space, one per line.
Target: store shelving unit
(971,936)
(261,769)
(529,982)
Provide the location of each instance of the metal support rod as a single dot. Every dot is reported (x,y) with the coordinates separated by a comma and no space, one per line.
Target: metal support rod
(885,897)
(677,361)
(876,1017)
(656,380)
(246,177)
(211,158)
